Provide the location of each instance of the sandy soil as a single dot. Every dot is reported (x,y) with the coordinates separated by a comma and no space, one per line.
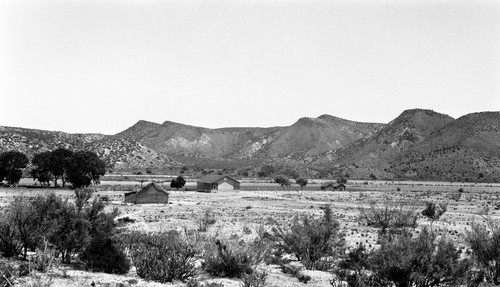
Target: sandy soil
(242,213)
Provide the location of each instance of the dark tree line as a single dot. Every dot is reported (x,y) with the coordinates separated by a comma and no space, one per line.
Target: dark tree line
(80,168)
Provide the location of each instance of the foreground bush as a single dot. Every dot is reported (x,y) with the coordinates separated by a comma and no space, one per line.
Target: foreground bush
(227,260)
(162,257)
(485,245)
(104,255)
(313,241)
(422,261)
(6,274)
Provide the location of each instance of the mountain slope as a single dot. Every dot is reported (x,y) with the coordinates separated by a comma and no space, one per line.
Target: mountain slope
(117,153)
(306,137)
(410,128)
(313,136)
(466,149)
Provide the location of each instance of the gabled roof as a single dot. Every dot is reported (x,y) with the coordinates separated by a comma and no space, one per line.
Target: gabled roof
(211,178)
(155,186)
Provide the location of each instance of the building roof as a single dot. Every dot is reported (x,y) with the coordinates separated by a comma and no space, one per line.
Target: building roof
(327,184)
(155,186)
(211,178)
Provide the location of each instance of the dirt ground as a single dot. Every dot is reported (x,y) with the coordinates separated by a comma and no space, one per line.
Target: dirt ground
(241,213)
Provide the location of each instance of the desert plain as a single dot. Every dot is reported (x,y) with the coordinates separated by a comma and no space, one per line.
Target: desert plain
(262,205)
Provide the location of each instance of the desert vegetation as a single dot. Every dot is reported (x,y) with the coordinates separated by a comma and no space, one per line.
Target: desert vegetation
(414,236)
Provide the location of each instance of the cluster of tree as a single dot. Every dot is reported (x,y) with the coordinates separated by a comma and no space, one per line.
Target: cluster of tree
(81,228)
(80,168)
(178,182)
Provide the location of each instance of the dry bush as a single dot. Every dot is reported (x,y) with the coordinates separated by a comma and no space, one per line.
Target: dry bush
(314,241)
(206,221)
(256,279)
(229,259)
(43,259)
(485,245)
(392,218)
(162,257)
(105,255)
(6,274)
(423,261)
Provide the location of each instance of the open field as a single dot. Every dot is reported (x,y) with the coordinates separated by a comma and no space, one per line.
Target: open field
(239,214)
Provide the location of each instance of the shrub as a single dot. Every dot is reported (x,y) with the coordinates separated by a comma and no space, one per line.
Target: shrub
(422,261)
(231,260)
(312,240)
(43,259)
(485,245)
(104,255)
(301,181)
(256,279)
(433,211)
(162,257)
(9,244)
(195,283)
(21,216)
(392,218)
(205,221)
(282,181)
(6,274)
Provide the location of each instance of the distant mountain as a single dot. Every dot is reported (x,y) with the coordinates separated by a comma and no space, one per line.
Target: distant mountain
(418,144)
(307,137)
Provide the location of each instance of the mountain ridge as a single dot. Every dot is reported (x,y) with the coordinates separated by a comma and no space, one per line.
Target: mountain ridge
(410,146)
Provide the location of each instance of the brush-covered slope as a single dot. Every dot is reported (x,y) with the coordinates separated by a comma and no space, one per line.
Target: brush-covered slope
(309,136)
(117,153)
(465,149)
(312,136)
(374,154)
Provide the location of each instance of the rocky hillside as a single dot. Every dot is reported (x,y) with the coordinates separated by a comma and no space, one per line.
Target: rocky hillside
(117,153)
(307,137)
(466,149)
(374,155)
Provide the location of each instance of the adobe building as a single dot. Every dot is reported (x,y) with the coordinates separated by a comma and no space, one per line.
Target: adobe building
(151,193)
(331,186)
(213,183)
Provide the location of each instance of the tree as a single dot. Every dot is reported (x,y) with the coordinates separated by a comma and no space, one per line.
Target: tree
(266,170)
(433,211)
(301,181)
(342,180)
(178,182)
(282,181)
(11,165)
(84,167)
(57,164)
(42,167)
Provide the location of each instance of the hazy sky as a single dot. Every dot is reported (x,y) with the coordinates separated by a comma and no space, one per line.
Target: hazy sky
(100,66)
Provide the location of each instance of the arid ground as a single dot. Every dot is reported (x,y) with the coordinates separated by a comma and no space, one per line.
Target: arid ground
(240,214)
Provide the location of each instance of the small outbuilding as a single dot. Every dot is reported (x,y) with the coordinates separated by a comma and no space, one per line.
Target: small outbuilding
(332,186)
(151,193)
(212,183)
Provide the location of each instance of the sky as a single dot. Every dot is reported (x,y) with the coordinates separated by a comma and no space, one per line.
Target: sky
(100,66)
